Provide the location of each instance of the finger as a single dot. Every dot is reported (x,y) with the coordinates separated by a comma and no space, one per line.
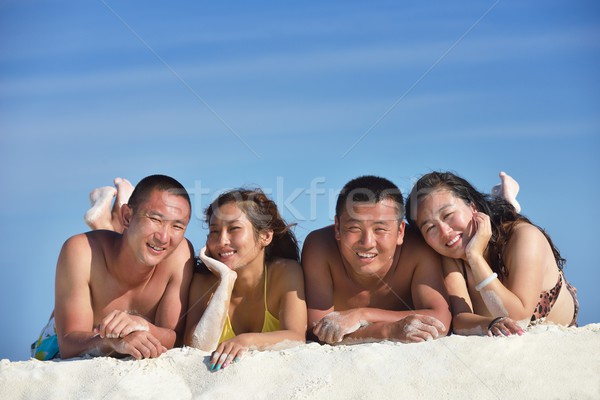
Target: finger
(145,349)
(117,328)
(156,344)
(427,331)
(110,325)
(495,331)
(436,323)
(214,358)
(514,327)
(418,336)
(221,360)
(136,353)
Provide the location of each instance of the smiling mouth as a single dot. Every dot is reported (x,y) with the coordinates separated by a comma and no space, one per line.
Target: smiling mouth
(226,254)
(456,239)
(156,248)
(366,255)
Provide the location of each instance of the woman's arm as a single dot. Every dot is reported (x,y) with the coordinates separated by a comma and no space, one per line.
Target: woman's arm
(286,281)
(205,322)
(525,258)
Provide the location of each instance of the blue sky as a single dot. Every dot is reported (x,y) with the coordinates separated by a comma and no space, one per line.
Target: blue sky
(297,98)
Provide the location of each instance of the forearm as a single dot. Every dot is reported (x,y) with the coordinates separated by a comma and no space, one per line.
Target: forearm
(76,344)
(373,315)
(499,300)
(166,336)
(206,333)
(469,324)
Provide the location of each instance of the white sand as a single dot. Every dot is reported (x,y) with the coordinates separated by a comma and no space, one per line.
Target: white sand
(547,362)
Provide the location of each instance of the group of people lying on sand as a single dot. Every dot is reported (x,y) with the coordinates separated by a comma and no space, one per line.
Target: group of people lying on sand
(465,262)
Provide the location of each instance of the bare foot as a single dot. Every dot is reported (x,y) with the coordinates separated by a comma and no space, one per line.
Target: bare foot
(508,189)
(124,190)
(98,216)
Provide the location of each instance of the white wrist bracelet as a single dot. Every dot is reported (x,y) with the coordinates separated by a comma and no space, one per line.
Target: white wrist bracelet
(486,281)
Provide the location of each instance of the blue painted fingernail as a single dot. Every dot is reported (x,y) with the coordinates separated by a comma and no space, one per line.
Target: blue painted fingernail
(236,359)
(212,366)
(218,367)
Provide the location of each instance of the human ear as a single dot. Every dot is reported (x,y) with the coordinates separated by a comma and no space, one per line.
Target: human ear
(336,228)
(126,215)
(266,237)
(401,229)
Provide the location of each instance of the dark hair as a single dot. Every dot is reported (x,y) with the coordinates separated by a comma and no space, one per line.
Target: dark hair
(146,186)
(503,215)
(370,189)
(263,214)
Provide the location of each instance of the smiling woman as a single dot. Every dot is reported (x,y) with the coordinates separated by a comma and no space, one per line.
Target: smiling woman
(499,268)
(254,297)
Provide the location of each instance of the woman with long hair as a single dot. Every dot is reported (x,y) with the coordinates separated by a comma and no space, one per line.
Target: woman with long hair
(251,293)
(501,271)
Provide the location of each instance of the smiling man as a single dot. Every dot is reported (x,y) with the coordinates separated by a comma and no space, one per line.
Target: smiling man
(371,277)
(125,294)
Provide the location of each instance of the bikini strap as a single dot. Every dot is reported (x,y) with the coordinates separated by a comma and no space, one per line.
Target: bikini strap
(265,291)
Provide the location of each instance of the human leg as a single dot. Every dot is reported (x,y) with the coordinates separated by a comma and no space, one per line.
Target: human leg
(508,188)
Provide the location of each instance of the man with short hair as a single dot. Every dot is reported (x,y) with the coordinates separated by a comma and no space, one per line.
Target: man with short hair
(126,293)
(369,276)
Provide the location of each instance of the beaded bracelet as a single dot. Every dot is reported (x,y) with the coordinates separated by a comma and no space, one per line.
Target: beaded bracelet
(486,281)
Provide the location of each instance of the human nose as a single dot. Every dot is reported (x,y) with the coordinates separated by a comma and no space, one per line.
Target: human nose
(367,238)
(162,233)
(445,228)
(224,238)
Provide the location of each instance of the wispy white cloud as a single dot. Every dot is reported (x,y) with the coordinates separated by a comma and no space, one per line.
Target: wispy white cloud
(384,58)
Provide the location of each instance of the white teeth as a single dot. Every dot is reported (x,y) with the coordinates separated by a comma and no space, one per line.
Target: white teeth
(450,243)
(229,253)
(366,255)
(156,248)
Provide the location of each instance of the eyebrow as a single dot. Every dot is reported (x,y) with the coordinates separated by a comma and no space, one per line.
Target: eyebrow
(227,222)
(438,211)
(379,221)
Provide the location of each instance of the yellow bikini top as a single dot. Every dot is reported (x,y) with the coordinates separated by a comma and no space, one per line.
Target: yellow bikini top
(270,323)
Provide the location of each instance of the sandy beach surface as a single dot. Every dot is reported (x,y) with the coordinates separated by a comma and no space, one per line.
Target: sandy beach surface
(547,362)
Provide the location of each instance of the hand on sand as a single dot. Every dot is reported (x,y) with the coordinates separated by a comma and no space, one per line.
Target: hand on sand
(334,326)
(139,344)
(228,352)
(417,328)
(118,324)
(504,327)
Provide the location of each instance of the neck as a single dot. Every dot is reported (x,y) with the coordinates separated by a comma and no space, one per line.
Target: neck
(250,278)
(377,278)
(126,268)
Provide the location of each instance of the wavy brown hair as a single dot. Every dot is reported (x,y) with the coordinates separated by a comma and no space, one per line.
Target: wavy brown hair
(262,212)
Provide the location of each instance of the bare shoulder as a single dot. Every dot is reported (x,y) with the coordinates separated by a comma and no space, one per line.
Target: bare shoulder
(524,230)
(526,238)
(182,255)
(285,269)
(322,242)
(86,244)
(415,246)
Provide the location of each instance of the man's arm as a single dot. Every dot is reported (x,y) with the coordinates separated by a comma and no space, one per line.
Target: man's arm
(430,316)
(318,283)
(73,313)
(169,323)
(429,294)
